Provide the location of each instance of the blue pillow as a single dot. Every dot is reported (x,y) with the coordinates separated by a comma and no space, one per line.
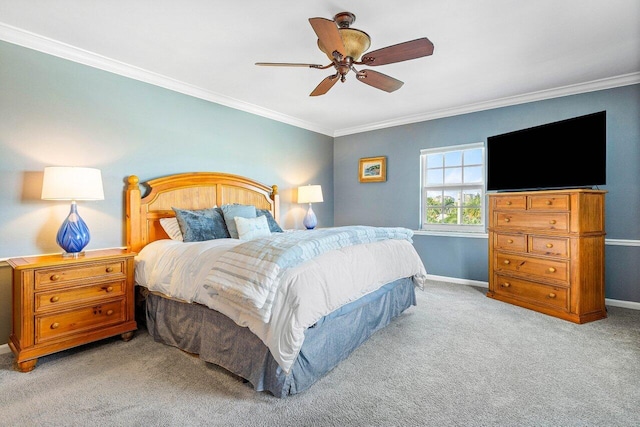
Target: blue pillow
(232,211)
(201,224)
(273,225)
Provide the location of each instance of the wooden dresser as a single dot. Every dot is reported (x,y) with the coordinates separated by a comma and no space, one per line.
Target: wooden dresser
(546,252)
(59,303)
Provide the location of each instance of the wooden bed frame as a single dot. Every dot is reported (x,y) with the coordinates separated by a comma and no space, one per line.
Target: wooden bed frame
(214,337)
(195,190)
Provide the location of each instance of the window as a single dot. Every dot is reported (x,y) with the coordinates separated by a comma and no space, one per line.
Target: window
(452,186)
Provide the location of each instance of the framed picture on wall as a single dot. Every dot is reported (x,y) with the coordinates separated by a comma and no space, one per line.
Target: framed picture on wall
(372,169)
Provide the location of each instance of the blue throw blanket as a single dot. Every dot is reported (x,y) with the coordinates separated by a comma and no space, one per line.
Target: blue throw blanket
(249,272)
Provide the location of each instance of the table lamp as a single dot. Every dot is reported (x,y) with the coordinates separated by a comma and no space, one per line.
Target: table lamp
(310,194)
(72,183)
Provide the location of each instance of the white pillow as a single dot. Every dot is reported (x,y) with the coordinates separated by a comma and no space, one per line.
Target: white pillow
(171,226)
(252,228)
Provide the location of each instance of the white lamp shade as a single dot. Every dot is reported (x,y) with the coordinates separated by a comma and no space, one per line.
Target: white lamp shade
(310,194)
(72,183)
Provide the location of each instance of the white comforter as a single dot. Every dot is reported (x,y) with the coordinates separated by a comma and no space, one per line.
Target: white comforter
(304,294)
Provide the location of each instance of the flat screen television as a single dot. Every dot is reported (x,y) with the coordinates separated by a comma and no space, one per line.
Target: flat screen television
(566,154)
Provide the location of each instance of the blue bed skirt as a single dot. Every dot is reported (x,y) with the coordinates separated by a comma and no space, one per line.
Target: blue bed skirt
(217,339)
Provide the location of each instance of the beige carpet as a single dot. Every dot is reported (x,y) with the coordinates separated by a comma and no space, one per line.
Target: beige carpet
(456,359)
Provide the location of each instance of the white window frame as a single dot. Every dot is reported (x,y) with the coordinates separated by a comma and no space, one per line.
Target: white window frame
(481,187)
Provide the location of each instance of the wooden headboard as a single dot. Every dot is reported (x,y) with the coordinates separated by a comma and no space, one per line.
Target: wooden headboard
(196,190)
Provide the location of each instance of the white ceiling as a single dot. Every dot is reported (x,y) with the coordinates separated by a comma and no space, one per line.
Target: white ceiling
(487,53)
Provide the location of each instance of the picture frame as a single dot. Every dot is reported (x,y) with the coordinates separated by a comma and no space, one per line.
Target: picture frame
(372,169)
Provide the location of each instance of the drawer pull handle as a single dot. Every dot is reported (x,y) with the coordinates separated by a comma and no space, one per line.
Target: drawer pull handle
(507,220)
(55,325)
(109,312)
(553,221)
(109,289)
(551,270)
(507,262)
(549,245)
(54,277)
(54,299)
(509,241)
(548,202)
(508,203)
(552,295)
(506,285)
(109,269)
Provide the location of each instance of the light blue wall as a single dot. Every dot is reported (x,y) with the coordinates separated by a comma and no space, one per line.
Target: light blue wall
(396,202)
(57,112)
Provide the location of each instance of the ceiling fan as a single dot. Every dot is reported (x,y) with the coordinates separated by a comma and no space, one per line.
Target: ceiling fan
(344,46)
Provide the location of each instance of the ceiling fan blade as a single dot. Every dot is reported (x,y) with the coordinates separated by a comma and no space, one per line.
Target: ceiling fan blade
(328,34)
(399,52)
(379,80)
(325,85)
(287,64)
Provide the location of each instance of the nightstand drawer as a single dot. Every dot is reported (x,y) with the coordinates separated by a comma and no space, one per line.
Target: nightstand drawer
(543,245)
(536,293)
(50,277)
(58,299)
(70,322)
(548,269)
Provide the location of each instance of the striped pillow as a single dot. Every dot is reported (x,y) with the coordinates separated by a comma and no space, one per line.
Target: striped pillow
(172,228)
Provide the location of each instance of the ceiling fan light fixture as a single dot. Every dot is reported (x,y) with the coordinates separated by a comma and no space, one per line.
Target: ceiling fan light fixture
(355,42)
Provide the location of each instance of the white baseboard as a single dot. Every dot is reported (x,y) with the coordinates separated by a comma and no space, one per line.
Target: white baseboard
(624,304)
(611,302)
(4,348)
(458,281)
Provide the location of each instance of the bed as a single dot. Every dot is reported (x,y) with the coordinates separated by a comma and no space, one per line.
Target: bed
(328,290)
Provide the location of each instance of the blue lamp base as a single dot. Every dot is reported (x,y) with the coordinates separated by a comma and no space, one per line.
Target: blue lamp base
(73,234)
(310,221)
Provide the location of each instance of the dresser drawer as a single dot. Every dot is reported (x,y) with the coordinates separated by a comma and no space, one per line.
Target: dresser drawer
(64,323)
(532,221)
(543,245)
(51,277)
(510,202)
(511,242)
(556,270)
(549,202)
(61,298)
(537,293)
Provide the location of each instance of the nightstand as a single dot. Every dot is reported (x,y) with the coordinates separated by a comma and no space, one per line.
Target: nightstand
(59,303)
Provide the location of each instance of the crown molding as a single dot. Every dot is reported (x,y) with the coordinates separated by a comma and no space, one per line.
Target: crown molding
(608,83)
(49,46)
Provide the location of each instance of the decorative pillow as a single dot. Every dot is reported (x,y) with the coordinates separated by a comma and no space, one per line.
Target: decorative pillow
(202,224)
(232,211)
(172,228)
(252,228)
(273,225)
